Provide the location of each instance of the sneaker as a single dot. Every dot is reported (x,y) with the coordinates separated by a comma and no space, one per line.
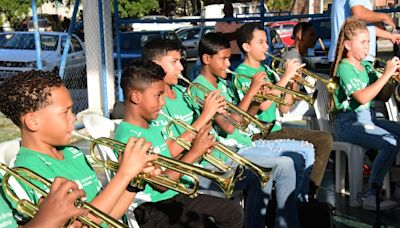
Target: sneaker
(369,203)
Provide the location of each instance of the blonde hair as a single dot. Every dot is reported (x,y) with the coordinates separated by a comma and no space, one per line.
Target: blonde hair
(351,27)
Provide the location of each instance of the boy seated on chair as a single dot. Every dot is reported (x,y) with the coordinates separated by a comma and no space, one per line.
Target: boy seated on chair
(40,105)
(143,87)
(55,210)
(178,105)
(252,41)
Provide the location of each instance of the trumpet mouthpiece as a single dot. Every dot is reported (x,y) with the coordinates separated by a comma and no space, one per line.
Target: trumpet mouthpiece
(230,72)
(180,76)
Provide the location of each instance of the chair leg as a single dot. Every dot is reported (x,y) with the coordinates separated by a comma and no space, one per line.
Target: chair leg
(386,186)
(340,174)
(356,160)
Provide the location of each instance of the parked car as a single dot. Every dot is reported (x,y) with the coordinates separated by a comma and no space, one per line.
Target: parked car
(131,43)
(156,26)
(190,38)
(17,52)
(285,30)
(318,56)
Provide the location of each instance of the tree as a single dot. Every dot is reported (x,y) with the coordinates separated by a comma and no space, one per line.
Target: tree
(135,8)
(278,5)
(13,11)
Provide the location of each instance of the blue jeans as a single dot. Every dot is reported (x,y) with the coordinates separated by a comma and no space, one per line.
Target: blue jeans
(362,128)
(256,202)
(301,152)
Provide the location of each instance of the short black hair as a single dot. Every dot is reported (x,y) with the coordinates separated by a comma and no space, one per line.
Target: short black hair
(245,34)
(211,43)
(302,26)
(139,75)
(27,92)
(159,47)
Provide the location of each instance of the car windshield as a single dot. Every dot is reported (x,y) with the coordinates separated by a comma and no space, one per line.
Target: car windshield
(135,41)
(27,41)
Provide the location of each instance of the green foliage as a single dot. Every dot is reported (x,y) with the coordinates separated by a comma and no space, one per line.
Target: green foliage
(278,5)
(135,8)
(13,11)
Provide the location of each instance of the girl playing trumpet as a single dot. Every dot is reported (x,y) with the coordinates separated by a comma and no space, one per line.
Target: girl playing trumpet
(354,121)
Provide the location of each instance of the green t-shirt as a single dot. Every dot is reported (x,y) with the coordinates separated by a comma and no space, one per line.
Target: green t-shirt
(352,80)
(229,94)
(74,167)
(181,108)
(153,134)
(268,115)
(185,109)
(6,215)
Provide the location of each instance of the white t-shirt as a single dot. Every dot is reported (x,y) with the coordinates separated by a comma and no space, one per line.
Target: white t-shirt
(341,10)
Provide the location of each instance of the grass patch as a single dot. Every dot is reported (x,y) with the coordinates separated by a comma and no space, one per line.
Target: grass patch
(8,130)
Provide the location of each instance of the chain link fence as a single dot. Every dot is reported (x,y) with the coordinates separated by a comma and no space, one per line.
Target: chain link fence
(18,52)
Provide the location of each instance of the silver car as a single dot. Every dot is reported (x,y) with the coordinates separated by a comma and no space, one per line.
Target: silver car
(190,38)
(17,53)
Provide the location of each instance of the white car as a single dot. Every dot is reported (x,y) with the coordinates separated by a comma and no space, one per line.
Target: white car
(156,26)
(17,53)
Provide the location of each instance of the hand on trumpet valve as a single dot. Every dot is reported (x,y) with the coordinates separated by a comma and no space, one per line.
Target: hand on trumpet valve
(204,141)
(63,195)
(257,82)
(136,159)
(266,90)
(214,103)
(392,66)
(292,66)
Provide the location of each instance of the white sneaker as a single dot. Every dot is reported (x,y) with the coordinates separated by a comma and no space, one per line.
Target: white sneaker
(369,203)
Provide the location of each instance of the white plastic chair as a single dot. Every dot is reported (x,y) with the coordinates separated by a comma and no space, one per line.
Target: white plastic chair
(393,112)
(354,153)
(8,153)
(99,126)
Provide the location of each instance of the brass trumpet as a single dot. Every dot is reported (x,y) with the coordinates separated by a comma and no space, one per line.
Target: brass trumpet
(28,208)
(225,180)
(393,80)
(330,83)
(265,129)
(259,97)
(262,173)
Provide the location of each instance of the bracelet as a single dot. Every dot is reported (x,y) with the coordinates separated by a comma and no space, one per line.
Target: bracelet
(135,189)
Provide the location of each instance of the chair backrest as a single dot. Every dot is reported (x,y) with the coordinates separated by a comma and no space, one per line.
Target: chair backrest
(321,107)
(99,126)
(392,109)
(8,154)
(9,151)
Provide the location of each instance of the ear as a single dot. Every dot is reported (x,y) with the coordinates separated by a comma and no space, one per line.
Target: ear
(135,96)
(30,121)
(206,59)
(346,44)
(246,47)
(299,35)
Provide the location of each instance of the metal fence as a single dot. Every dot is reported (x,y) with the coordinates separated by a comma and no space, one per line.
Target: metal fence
(38,41)
(48,41)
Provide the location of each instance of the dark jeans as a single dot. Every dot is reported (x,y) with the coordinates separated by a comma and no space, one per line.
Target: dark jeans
(322,142)
(362,128)
(183,211)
